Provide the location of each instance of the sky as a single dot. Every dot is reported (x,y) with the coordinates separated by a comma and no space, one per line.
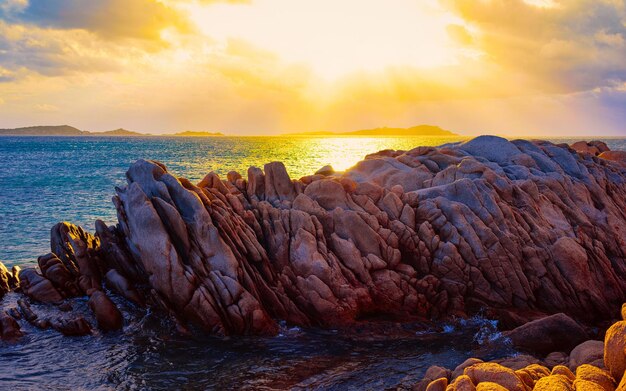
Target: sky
(510,67)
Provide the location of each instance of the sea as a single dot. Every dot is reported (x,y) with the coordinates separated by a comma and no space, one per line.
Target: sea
(44,180)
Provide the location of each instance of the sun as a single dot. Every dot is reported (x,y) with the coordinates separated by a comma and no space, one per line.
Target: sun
(335,38)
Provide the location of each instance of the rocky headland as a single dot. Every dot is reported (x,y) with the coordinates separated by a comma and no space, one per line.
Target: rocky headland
(530,233)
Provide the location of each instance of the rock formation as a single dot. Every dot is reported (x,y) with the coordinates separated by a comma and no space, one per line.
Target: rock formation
(519,229)
(586,371)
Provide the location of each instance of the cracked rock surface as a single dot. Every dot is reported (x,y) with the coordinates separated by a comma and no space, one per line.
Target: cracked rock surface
(521,229)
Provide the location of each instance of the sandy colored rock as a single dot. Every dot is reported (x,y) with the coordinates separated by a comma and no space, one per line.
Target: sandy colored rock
(495,373)
(554,382)
(490,386)
(588,373)
(564,371)
(458,371)
(461,383)
(438,385)
(615,350)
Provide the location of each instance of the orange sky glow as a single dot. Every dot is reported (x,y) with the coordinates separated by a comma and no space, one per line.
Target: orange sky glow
(511,67)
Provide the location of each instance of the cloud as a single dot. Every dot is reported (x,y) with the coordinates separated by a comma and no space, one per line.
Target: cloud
(110,19)
(560,46)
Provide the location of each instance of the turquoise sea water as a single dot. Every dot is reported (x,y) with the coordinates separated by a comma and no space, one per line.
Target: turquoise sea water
(44,180)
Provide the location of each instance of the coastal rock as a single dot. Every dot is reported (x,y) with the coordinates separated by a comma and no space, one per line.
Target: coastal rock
(614,156)
(495,373)
(109,318)
(71,327)
(462,383)
(325,171)
(588,352)
(54,270)
(590,377)
(37,287)
(593,147)
(615,350)
(508,227)
(79,252)
(553,333)
(9,328)
(8,280)
(554,383)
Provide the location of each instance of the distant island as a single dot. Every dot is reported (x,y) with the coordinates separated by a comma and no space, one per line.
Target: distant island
(198,134)
(66,130)
(419,130)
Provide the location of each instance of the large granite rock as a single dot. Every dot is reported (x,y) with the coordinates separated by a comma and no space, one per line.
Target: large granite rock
(511,227)
(431,232)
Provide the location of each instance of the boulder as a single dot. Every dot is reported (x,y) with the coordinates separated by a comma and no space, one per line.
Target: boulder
(494,373)
(555,382)
(327,170)
(462,383)
(586,374)
(556,358)
(438,385)
(615,350)
(108,316)
(618,157)
(9,328)
(490,386)
(557,332)
(37,287)
(588,352)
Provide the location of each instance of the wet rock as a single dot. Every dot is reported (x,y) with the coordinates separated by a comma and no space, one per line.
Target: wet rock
(615,350)
(9,328)
(78,251)
(26,310)
(553,333)
(54,270)
(108,316)
(120,284)
(37,287)
(71,327)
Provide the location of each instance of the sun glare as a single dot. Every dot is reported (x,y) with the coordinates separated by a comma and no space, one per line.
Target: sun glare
(337,38)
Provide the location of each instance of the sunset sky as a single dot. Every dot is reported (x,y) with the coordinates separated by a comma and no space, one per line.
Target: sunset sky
(512,67)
